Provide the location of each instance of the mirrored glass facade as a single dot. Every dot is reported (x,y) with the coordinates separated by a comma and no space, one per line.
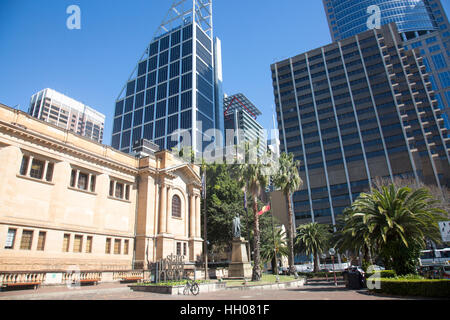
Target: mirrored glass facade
(173,89)
(422,24)
(355,110)
(349,17)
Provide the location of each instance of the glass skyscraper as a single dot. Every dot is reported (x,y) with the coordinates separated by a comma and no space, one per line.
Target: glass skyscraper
(176,84)
(353,111)
(422,24)
(241,114)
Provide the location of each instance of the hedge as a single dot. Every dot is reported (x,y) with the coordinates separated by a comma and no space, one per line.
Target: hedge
(434,288)
(382,274)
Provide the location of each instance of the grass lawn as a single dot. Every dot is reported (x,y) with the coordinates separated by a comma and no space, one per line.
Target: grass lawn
(265,279)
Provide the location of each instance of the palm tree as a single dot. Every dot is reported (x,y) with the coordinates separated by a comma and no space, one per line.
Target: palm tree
(313,238)
(276,244)
(352,234)
(397,221)
(252,173)
(288,180)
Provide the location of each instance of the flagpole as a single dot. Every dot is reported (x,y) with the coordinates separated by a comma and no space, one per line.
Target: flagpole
(205,229)
(274,243)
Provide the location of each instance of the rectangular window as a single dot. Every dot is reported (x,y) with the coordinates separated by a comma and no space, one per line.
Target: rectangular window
(24,165)
(444,77)
(126,247)
(89,244)
(83,181)
(27,239)
(37,169)
(41,241)
(178,248)
(78,243)
(184,249)
(127,192)
(73,177)
(66,242)
(10,238)
(439,61)
(119,190)
(49,174)
(117,244)
(111,188)
(92,185)
(108,246)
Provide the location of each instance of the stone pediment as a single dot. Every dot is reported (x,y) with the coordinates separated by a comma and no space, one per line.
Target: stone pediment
(186,169)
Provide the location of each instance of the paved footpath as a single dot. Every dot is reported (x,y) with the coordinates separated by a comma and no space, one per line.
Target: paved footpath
(313,290)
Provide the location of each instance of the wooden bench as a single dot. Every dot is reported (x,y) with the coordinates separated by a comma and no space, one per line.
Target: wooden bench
(20,284)
(131,279)
(86,281)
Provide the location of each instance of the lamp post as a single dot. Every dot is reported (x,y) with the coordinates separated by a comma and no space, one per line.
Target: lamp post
(332,252)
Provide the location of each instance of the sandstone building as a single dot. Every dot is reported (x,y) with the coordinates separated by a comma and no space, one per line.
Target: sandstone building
(69,202)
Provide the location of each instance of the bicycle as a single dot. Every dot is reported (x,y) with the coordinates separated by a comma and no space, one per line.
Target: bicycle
(191,286)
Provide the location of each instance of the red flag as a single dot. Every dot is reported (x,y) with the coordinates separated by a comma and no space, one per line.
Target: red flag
(264,209)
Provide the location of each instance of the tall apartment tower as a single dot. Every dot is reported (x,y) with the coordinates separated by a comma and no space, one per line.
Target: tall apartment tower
(175,85)
(422,24)
(354,110)
(241,114)
(56,108)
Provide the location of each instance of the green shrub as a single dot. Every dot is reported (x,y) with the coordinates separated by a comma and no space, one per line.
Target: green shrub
(383,274)
(435,288)
(409,277)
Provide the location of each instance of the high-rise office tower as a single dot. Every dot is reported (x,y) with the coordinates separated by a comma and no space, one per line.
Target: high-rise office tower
(175,85)
(422,24)
(354,110)
(56,108)
(241,114)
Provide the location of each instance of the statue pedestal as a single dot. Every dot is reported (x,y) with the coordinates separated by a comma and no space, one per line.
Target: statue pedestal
(240,267)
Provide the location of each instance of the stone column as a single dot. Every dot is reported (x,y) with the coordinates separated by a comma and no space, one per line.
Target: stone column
(198,232)
(192,214)
(30,164)
(162,209)
(169,210)
(44,170)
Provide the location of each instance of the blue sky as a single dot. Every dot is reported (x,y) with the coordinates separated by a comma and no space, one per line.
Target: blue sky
(92,64)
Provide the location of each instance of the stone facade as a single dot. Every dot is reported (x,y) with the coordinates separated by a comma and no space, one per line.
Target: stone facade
(69,203)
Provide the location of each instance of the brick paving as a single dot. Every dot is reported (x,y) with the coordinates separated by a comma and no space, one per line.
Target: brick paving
(313,290)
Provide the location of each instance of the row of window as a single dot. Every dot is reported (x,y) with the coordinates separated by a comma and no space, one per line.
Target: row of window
(26,239)
(80,242)
(79,179)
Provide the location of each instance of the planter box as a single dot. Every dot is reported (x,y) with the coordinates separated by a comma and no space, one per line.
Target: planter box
(274,286)
(178,290)
(212,287)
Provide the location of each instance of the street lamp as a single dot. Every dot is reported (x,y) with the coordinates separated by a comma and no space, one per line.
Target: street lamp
(332,252)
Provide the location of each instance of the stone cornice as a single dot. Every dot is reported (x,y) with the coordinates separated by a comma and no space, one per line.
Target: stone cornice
(63,147)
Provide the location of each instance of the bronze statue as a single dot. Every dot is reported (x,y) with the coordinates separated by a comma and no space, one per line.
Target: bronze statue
(237,226)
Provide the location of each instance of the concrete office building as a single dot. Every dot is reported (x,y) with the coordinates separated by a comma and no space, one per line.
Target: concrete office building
(176,84)
(71,204)
(354,110)
(422,24)
(241,114)
(56,108)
